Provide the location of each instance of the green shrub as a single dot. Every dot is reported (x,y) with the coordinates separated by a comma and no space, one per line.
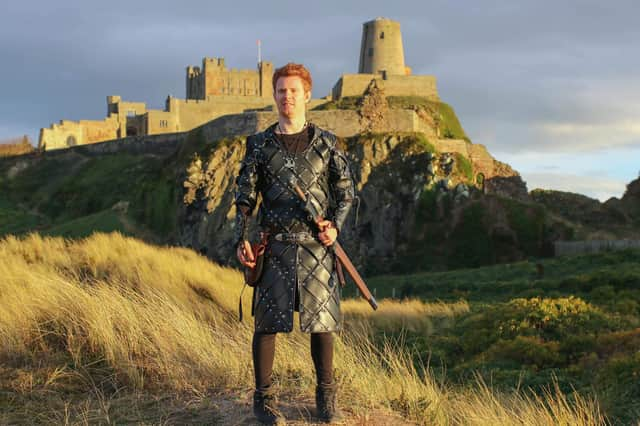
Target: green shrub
(410,102)
(449,124)
(527,351)
(552,319)
(464,166)
(471,242)
(528,223)
(603,293)
(427,205)
(577,346)
(421,140)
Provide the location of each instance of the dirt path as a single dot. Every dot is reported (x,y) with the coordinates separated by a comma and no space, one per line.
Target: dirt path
(238,412)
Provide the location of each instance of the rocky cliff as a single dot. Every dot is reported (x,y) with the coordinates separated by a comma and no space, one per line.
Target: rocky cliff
(413,210)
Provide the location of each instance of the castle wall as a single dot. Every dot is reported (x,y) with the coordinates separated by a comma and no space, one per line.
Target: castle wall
(130,109)
(125,112)
(71,133)
(195,83)
(419,125)
(480,158)
(214,79)
(219,81)
(351,85)
(412,85)
(162,145)
(343,123)
(96,131)
(482,161)
(136,125)
(159,122)
(315,102)
(193,113)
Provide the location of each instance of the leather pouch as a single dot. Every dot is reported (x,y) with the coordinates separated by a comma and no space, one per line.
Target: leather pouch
(252,275)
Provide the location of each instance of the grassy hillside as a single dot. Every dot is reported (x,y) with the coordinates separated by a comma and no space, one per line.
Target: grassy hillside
(73,195)
(111,330)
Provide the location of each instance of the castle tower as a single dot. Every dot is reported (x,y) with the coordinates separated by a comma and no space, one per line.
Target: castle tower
(265,72)
(381,50)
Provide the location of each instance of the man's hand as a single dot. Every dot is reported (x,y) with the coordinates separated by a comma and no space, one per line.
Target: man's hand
(328,232)
(245,254)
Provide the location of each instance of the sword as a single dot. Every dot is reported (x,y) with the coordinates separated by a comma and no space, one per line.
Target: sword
(339,251)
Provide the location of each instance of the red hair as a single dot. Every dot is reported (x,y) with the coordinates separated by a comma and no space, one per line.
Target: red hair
(297,70)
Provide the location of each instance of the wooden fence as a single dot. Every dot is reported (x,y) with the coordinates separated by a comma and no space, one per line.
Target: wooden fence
(565,248)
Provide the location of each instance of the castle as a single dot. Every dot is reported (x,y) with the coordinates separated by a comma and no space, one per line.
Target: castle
(213,91)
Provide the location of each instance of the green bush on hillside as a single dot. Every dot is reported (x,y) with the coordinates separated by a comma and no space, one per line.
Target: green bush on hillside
(420,140)
(67,192)
(444,117)
(528,223)
(526,351)
(471,242)
(426,209)
(464,167)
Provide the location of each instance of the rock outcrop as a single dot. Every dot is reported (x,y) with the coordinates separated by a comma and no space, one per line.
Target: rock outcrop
(394,174)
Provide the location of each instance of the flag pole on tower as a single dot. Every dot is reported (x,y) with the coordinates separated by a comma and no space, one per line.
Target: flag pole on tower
(259,52)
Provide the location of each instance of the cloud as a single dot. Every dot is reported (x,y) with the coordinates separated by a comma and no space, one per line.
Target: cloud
(599,174)
(590,136)
(592,186)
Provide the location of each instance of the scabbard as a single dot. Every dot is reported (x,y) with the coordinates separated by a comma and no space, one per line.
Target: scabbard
(340,272)
(353,273)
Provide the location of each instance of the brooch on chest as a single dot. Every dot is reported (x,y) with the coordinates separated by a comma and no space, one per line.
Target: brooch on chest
(289,163)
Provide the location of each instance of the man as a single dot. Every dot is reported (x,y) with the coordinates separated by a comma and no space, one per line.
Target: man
(298,268)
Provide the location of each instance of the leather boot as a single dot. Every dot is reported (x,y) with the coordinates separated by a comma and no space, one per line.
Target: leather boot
(265,409)
(327,409)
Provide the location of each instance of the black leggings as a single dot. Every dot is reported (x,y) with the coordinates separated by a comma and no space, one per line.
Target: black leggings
(264,348)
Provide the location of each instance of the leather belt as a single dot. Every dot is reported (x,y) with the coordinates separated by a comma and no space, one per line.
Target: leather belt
(295,237)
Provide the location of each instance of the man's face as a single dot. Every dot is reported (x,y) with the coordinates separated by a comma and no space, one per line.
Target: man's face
(291,97)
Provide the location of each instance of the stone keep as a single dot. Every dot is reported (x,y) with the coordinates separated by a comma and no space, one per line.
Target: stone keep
(381,50)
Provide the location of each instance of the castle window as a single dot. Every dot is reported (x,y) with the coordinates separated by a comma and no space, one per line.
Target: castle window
(370,51)
(381,34)
(131,113)
(164,123)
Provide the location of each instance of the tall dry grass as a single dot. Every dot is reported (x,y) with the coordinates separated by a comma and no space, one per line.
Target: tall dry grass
(152,318)
(409,314)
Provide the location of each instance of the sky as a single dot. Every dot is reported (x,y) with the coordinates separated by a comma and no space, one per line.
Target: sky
(552,88)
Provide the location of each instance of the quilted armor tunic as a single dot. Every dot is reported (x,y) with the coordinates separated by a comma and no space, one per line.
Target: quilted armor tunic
(297,275)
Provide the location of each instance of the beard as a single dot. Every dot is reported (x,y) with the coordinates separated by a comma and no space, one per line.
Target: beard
(288,110)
